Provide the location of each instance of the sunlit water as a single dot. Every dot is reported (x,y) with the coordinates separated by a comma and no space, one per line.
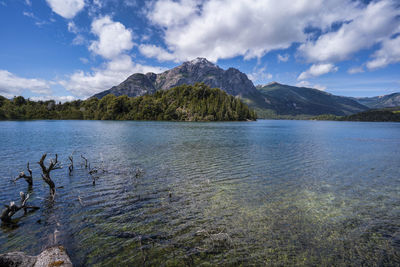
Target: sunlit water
(265,192)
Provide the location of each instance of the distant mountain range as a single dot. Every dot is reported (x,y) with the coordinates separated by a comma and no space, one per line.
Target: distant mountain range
(292,100)
(385,101)
(271,100)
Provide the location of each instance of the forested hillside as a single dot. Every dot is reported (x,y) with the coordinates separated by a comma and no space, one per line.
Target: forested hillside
(385,114)
(182,103)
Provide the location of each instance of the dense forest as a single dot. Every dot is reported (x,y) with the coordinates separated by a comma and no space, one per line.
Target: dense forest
(182,103)
(386,114)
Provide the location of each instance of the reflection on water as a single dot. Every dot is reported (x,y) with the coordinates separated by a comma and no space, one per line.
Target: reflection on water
(266,192)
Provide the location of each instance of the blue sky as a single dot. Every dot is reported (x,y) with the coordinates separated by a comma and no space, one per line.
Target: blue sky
(68,49)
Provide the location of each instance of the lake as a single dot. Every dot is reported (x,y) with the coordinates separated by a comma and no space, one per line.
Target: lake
(231,193)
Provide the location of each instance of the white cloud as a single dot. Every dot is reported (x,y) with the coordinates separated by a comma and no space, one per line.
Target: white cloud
(66,8)
(114,38)
(218,29)
(62,99)
(309,85)
(317,70)
(85,84)
(98,3)
(79,40)
(169,13)
(72,27)
(389,53)
(11,84)
(371,25)
(130,3)
(260,75)
(38,22)
(29,14)
(283,58)
(153,51)
(356,70)
(28,2)
(319,87)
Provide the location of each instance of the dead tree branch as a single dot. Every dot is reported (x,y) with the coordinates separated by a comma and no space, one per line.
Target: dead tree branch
(54,164)
(139,172)
(13,208)
(28,178)
(86,161)
(71,165)
(93,173)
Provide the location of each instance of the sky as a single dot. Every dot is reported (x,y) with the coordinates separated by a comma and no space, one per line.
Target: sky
(72,49)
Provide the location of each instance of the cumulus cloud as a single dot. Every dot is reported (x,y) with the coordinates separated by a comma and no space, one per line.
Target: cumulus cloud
(66,8)
(219,29)
(113,38)
(371,25)
(283,58)
(11,84)
(153,51)
(317,70)
(85,84)
(309,85)
(389,53)
(169,13)
(328,30)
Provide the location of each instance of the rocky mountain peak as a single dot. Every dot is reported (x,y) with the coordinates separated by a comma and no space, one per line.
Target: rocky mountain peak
(200,61)
(197,70)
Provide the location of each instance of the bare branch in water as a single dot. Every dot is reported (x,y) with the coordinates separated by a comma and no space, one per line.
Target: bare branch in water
(28,178)
(54,165)
(71,165)
(13,208)
(86,161)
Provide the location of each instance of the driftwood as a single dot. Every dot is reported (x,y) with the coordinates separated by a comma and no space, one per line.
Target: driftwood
(93,172)
(139,172)
(28,178)
(71,165)
(13,208)
(54,164)
(86,161)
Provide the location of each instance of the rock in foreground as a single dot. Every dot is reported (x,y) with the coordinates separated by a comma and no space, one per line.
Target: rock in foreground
(53,256)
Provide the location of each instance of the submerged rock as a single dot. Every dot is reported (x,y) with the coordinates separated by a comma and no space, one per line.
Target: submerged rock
(53,256)
(16,259)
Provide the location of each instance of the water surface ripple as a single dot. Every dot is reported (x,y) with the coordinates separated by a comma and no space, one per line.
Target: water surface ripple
(252,193)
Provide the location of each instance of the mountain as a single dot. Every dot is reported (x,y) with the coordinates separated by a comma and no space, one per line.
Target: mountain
(385,101)
(273,100)
(136,85)
(198,70)
(291,101)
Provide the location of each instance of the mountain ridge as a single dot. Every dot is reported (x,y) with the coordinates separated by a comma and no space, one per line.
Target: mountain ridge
(198,70)
(383,101)
(272,100)
(289,100)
